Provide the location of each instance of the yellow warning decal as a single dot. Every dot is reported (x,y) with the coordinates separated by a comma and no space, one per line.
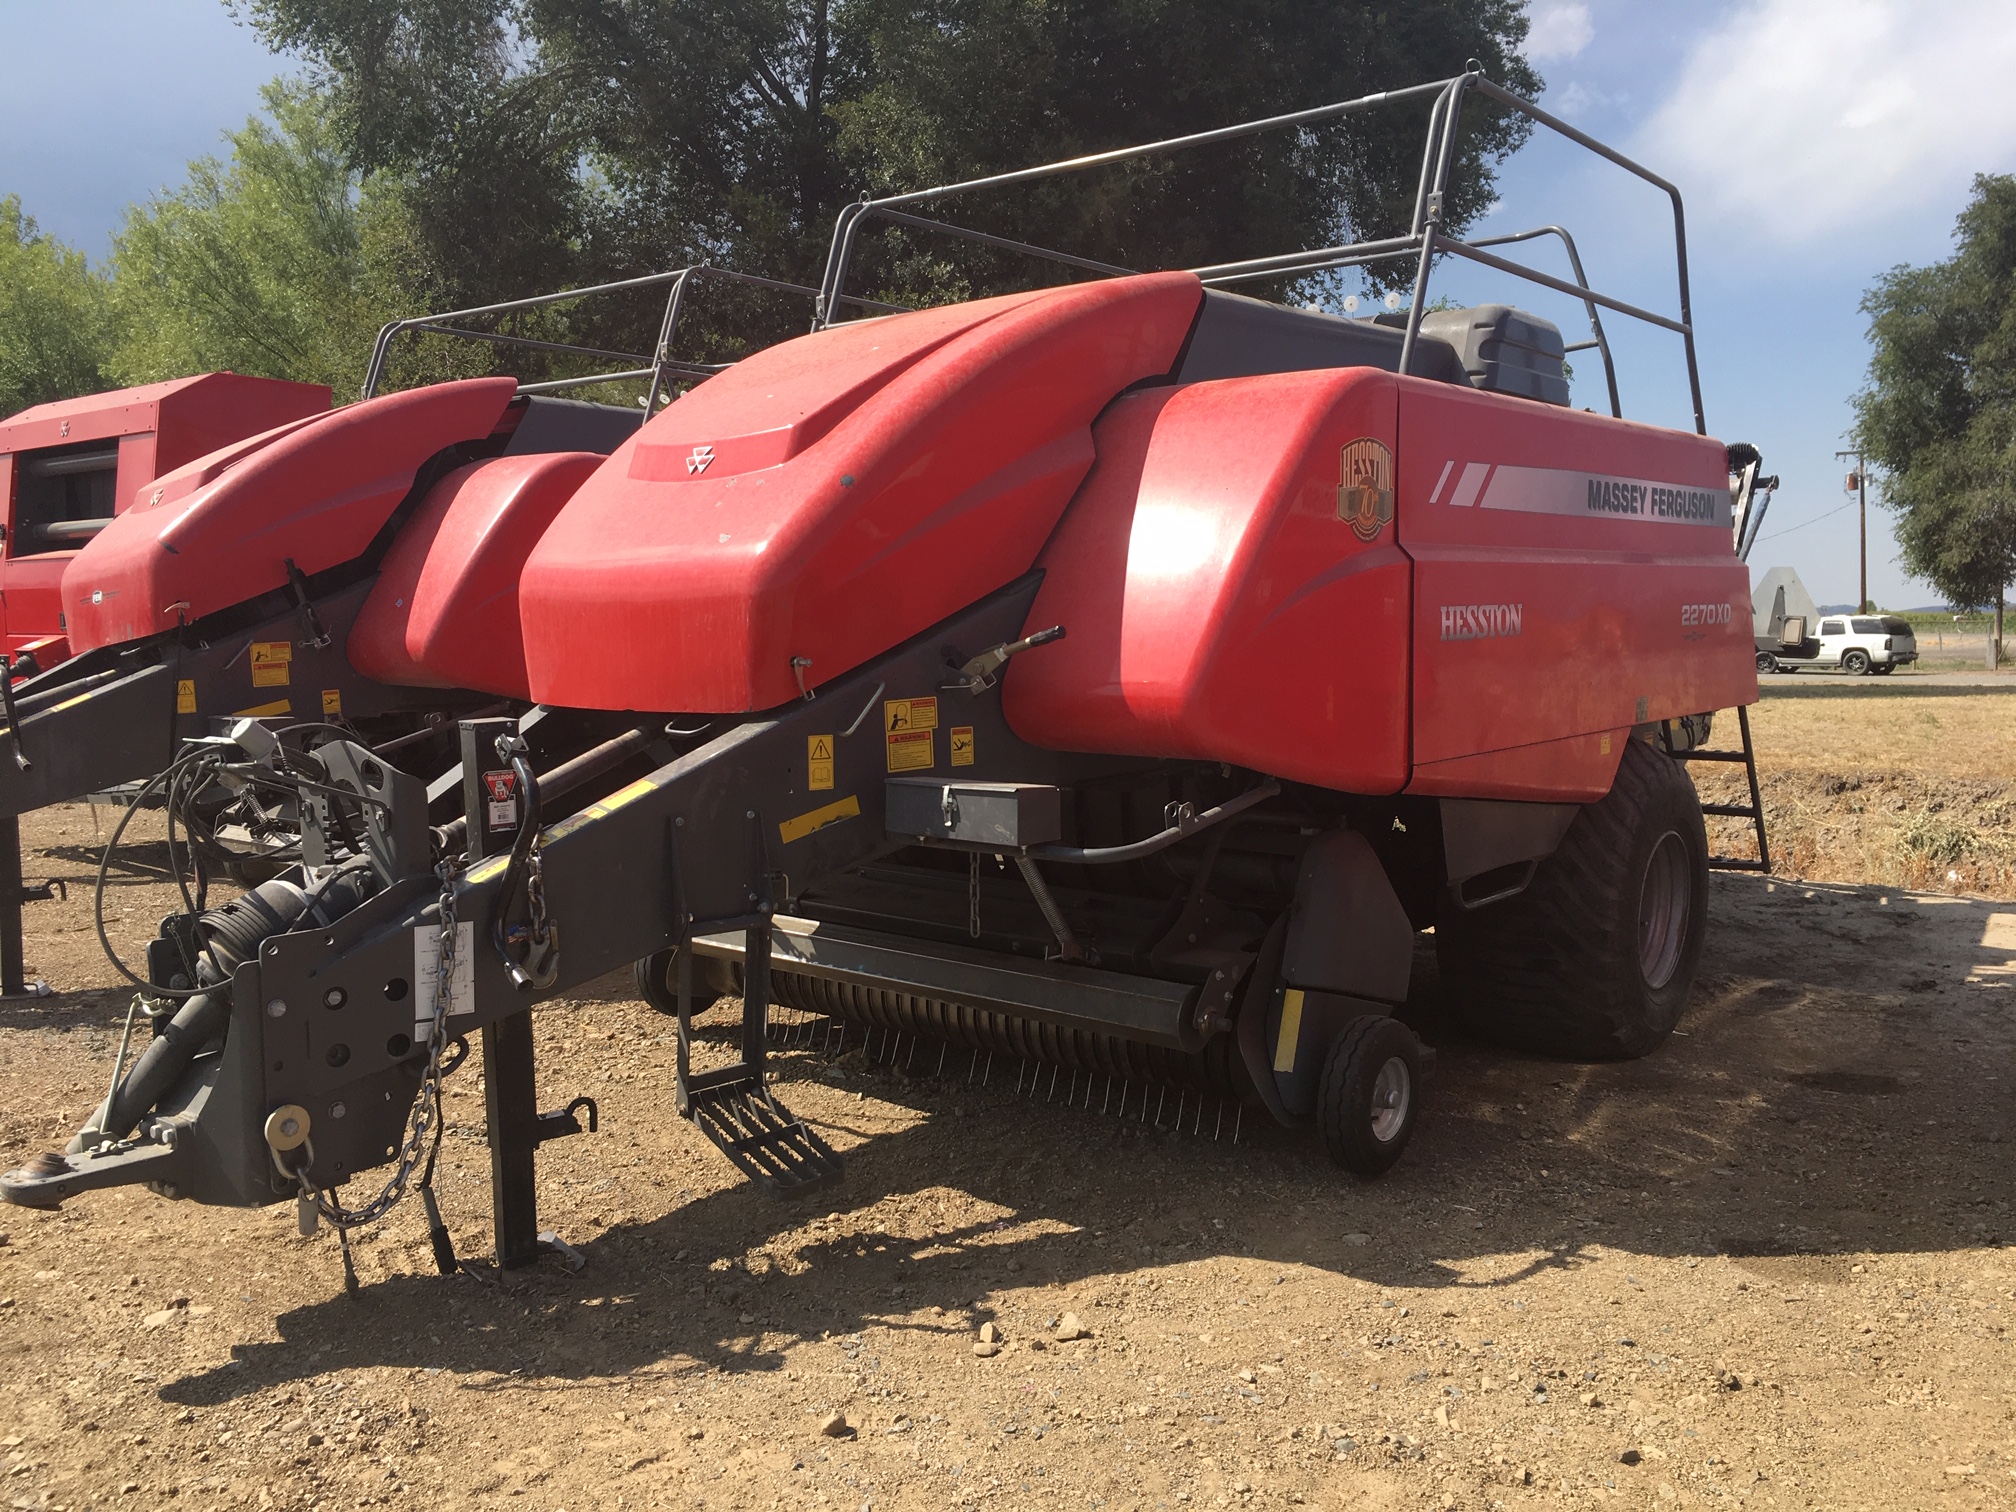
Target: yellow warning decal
(806,824)
(1291,1030)
(271,663)
(1603,746)
(962,745)
(265,711)
(819,763)
(185,696)
(621,796)
(484,870)
(909,714)
(332,701)
(912,750)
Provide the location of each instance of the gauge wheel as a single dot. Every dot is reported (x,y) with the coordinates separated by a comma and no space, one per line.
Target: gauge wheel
(657,978)
(1370,1095)
(1855,663)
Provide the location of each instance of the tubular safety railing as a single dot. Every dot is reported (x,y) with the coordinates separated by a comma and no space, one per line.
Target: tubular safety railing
(1425,242)
(658,365)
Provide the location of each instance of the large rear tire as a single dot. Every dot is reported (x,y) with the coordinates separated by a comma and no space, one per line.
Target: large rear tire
(1594,960)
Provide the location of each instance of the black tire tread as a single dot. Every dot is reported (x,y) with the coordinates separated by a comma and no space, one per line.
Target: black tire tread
(1538,971)
(1338,1121)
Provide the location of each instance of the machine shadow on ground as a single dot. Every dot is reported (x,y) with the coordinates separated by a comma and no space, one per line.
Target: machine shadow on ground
(1804,1116)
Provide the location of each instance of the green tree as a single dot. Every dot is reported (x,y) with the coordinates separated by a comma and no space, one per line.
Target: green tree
(256,264)
(1939,415)
(626,135)
(53,316)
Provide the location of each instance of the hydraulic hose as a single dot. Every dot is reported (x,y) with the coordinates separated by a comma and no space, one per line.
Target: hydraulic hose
(232,935)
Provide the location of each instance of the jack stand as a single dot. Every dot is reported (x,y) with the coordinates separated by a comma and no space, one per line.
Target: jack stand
(13,966)
(517,1128)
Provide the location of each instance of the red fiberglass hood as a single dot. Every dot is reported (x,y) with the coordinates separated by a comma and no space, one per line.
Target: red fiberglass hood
(832,496)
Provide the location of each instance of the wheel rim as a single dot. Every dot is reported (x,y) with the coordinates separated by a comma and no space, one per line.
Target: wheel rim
(1664,904)
(1392,1096)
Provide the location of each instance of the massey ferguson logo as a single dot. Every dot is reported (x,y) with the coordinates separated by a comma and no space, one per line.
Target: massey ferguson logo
(1462,622)
(697,463)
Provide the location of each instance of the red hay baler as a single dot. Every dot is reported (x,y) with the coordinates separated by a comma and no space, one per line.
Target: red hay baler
(1116,676)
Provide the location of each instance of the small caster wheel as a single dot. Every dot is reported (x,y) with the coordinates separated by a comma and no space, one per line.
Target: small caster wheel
(657,978)
(1370,1094)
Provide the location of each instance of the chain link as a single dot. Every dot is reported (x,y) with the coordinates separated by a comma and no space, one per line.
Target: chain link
(427,1106)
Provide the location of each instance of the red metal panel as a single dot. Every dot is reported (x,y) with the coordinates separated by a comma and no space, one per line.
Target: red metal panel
(1574,575)
(159,426)
(1225,598)
(220,530)
(833,496)
(444,612)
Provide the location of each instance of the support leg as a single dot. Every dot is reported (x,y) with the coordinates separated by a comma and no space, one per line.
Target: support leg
(13,967)
(511,1103)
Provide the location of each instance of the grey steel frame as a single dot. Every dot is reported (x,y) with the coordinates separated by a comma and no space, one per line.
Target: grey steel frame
(1424,242)
(656,366)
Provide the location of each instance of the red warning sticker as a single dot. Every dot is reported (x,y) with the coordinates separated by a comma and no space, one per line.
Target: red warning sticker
(500,791)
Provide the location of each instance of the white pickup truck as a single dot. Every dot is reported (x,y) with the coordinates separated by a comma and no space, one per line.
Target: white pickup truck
(1852,643)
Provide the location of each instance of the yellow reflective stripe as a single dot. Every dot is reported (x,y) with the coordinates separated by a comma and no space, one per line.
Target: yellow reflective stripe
(819,818)
(1291,1030)
(263,711)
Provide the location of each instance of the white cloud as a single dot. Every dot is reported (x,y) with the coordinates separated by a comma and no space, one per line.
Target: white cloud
(1796,120)
(1560,29)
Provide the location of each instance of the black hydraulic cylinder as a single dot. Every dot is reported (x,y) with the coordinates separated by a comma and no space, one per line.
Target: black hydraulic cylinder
(511,1103)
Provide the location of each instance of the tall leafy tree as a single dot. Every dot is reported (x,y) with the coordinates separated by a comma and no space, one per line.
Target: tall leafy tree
(257,263)
(54,322)
(593,138)
(1939,414)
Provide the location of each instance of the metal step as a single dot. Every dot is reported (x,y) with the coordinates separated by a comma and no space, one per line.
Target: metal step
(765,1140)
(1752,811)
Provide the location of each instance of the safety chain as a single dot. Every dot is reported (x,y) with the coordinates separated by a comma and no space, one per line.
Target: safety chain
(535,893)
(426,1107)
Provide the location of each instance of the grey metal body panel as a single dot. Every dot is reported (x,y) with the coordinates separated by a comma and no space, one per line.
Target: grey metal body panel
(1238,337)
(563,425)
(1148,1009)
(1347,932)
(1483,834)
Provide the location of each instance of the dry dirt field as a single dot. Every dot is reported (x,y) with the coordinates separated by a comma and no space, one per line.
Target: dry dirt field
(1764,1267)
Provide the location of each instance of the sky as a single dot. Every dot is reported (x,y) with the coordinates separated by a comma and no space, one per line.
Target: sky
(1817,144)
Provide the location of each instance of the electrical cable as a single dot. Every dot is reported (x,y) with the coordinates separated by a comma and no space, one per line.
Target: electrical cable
(1802,524)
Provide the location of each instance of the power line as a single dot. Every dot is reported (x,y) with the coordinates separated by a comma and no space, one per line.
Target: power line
(1814,521)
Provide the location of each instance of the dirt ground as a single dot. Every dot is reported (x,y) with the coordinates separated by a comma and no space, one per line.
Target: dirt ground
(1765,1266)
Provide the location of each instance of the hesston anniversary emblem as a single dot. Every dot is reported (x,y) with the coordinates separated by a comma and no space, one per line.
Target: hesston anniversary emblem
(1365,487)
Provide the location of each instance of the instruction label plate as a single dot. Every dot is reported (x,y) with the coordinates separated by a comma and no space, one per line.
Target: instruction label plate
(819,763)
(427,974)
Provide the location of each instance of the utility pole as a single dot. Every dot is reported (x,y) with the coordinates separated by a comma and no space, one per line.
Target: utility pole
(1858,484)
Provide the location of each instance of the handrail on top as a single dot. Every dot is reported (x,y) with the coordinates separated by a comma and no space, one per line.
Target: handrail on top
(1424,242)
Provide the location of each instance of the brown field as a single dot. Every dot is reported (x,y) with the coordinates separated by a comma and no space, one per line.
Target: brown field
(1912,786)
(1768,1266)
